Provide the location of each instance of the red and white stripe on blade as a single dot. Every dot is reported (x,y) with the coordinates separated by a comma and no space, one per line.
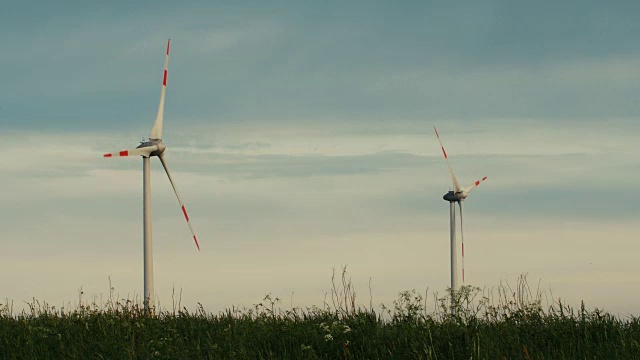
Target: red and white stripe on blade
(184,210)
(156,131)
(145,151)
(456,186)
(474,185)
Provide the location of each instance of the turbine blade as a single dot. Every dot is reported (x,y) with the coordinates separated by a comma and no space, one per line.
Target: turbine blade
(175,189)
(144,151)
(456,186)
(475,184)
(462,237)
(156,131)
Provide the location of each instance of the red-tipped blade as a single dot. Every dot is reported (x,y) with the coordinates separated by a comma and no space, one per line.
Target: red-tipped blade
(144,151)
(156,131)
(117,153)
(456,186)
(475,184)
(184,210)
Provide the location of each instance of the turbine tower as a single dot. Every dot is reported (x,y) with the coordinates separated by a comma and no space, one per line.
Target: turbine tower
(457,195)
(153,147)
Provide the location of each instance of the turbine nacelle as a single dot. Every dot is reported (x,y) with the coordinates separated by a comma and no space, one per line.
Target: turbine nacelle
(160,147)
(452,196)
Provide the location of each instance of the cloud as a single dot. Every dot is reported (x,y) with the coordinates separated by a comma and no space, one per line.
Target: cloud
(294,210)
(466,63)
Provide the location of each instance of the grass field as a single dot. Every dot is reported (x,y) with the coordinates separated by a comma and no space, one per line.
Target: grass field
(488,324)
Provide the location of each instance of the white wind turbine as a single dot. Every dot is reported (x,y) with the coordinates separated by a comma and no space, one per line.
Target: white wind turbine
(153,147)
(457,195)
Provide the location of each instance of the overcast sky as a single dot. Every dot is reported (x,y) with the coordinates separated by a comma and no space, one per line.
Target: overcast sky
(301,138)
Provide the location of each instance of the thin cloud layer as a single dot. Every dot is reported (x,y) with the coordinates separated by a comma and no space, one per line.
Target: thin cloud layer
(287,206)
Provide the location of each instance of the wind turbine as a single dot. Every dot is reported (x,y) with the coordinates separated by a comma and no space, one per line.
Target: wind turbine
(457,195)
(147,149)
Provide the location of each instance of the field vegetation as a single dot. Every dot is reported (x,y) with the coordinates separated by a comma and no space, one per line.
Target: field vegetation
(497,323)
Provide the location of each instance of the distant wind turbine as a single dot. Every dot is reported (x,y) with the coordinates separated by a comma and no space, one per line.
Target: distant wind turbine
(153,147)
(458,194)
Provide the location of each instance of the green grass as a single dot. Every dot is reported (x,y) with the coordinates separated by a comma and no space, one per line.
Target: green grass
(488,324)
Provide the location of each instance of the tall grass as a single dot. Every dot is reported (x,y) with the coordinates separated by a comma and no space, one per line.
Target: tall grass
(492,323)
